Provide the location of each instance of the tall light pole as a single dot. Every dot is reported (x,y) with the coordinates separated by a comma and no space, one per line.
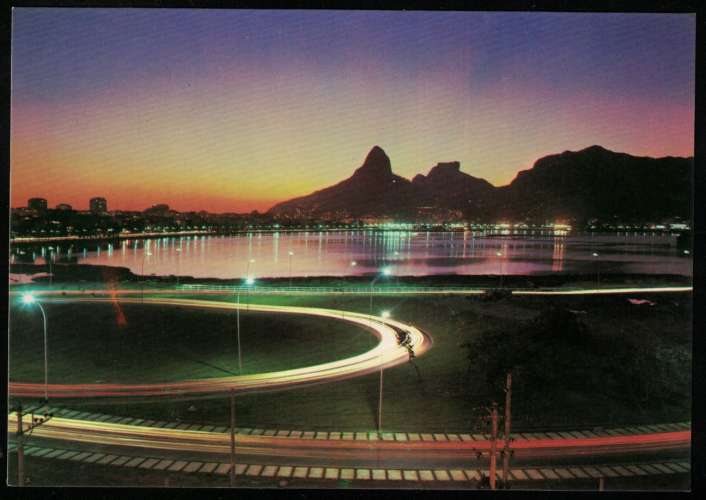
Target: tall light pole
(385,315)
(142,272)
(178,250)
(386,271)
(28,298)
(51,275)
(353,263)
(500,267)
(598,269)
(291,254)
(249,282)
(247,269)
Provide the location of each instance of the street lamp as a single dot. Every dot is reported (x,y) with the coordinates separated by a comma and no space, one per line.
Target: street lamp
(178,250)
(247,269)
(385,315)
(249,281)
(500,268)
(48,259)
(29,299)
(386,271)
(291,254)
(142,272)
(598,270)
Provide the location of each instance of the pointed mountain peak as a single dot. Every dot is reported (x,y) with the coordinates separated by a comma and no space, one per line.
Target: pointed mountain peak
(377,163)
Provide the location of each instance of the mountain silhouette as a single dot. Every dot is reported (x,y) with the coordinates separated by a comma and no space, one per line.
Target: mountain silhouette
(576,185)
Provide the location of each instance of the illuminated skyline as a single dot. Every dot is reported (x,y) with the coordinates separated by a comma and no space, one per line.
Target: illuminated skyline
(237,110)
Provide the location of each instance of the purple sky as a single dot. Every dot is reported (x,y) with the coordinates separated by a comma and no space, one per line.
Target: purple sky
(235,110)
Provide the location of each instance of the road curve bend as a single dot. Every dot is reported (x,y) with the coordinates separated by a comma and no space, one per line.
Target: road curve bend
(387,353)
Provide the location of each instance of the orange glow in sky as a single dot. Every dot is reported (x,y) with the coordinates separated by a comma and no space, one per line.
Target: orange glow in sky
(248,128)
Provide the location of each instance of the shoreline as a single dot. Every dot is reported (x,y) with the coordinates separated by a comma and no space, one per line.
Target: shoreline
(22,241)
(70,273)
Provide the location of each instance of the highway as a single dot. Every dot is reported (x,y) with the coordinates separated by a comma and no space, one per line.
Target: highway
(288,450)
(385,354)
(93,435)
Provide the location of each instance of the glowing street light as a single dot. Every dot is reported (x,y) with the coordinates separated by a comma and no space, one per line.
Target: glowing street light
(353,263)
(247,269)
(29,299)
(386,314)
(250,281)
(142,272)
(386,271)
(178,250)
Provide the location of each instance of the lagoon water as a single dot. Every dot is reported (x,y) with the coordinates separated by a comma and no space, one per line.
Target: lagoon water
(364,252)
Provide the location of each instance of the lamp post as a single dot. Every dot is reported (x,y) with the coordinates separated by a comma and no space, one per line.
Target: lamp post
(178,250)
(28,298)
(291,254)
(385,315)
(249,282)
(51,275)
(353,263)
(598,269)
(386,271)
(247,269)
(142,272)
(500,267)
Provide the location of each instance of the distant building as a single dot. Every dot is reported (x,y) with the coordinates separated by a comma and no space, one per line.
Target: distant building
(160,209)
(64,206)
(98,205)
(37,204)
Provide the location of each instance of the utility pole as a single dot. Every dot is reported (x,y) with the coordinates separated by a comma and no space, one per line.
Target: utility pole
(232,438)
(493,444)
(508,413)
(240,357)
(21,431)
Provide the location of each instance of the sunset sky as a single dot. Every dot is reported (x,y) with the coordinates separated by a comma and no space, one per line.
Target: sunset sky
(236,110)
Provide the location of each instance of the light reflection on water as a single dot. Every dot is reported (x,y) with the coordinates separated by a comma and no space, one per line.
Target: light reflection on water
(408,253)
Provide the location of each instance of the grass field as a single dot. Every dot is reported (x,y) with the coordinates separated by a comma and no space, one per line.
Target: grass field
(437,394)
(91,343)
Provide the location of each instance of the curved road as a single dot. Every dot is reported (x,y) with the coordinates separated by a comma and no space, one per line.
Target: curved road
(385,354)
(275,449)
